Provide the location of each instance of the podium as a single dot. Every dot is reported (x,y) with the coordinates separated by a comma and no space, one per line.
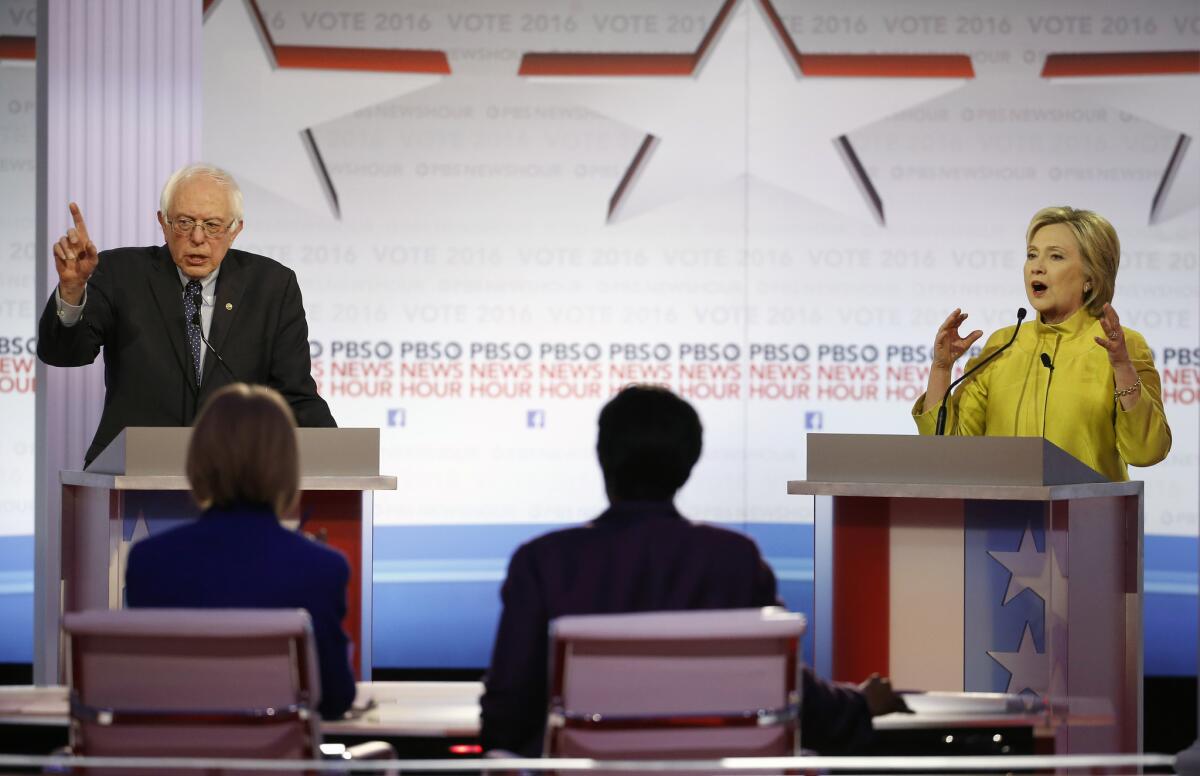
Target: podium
(981,564)
(136,487)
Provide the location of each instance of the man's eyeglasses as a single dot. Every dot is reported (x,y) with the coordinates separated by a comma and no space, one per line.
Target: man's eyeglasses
(185,226)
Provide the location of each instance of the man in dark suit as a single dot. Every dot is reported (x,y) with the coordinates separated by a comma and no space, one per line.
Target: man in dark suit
(151,308)
(642,555)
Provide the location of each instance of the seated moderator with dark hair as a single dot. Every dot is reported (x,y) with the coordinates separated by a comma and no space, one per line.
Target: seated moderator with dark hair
(243,466)
(648,442)
(642,555)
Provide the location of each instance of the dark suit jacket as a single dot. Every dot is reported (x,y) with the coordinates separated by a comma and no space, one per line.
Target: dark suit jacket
(134,311)
(242,558)
(636,557)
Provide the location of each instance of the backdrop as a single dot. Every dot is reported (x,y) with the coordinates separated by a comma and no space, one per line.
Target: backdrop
(500,216)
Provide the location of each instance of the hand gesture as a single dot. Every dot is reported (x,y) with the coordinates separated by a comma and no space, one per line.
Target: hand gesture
(1114,337)
(949,345)
(881,698)
(75,259)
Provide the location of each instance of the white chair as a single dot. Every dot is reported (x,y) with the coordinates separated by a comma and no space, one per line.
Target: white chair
(195,683)
(675,685)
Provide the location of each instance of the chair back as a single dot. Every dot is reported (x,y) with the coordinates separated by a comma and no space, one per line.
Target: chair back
(675,685)
(193,683)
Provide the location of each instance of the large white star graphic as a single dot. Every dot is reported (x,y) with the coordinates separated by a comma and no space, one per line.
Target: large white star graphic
(747,109)
(1027,568)
(1056,621)
(1160,87)
(257,117)
(1042,573)
(1027,668)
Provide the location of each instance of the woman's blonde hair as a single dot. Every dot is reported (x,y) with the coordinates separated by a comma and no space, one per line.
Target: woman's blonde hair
(1098,247)
(243,449)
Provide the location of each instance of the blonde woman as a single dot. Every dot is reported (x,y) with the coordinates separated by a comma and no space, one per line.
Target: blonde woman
(1074,375)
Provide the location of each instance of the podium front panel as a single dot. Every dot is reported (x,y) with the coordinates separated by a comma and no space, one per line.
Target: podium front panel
(100,525)
(1024,597)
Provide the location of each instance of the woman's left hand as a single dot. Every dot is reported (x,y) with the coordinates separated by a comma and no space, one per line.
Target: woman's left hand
(1114,337)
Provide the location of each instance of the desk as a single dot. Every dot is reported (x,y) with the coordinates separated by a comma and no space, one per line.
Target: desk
(29,705)
(381,709)
(412,709)
(450,710)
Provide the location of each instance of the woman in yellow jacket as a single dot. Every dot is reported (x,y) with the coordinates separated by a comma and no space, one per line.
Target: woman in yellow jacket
(1074,375)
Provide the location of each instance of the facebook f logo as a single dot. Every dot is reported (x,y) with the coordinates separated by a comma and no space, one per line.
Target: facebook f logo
(396,417)
(535,419)
(813,421)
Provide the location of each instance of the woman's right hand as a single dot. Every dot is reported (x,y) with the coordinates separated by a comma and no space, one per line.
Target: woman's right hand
(949,345)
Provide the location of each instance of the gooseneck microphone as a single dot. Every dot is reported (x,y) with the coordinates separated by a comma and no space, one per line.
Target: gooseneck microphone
(1046,362)
(941,416)
(197,323)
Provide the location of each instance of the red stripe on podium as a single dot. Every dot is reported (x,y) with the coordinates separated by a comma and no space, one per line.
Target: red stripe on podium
(861,598)
(334,517)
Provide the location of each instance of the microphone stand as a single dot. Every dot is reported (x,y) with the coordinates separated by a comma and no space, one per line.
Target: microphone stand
(1046,362)
(941,416)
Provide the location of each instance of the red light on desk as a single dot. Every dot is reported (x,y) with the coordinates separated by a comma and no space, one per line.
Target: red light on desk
(466,749)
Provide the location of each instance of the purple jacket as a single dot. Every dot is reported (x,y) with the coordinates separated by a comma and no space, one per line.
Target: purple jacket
(636,557)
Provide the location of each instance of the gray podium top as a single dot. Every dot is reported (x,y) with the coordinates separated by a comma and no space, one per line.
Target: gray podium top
(993,468)
(144,458)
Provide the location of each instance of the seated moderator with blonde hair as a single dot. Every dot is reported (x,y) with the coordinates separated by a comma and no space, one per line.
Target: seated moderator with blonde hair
(243,466)
(1074,375)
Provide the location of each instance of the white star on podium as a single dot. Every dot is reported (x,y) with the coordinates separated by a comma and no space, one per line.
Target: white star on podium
(256,116)
(1027,567)
(1056,624)
(1027,668)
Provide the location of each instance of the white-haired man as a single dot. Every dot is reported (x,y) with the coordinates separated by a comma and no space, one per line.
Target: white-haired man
(149,307)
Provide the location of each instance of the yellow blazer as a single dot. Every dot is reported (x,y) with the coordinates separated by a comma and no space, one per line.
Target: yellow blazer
(1009,397)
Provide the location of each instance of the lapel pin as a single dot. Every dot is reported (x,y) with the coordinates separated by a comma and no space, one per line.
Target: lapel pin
(229,305)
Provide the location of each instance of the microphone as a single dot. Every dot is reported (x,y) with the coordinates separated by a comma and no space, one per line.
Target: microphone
(941,416)
(1046,362)
(199,325)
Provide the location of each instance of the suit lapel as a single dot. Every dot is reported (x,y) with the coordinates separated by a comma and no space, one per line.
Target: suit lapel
(230,287)
(168,295)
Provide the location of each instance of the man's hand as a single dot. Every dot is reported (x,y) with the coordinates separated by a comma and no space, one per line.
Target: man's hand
(75,259)
(881,698)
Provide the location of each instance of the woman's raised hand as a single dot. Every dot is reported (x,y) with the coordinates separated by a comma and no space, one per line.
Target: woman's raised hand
(949,345)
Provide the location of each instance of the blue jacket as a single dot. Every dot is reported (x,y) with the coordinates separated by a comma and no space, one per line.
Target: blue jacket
(243,558)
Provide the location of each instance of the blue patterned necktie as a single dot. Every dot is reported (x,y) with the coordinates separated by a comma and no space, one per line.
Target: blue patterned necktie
(191,310)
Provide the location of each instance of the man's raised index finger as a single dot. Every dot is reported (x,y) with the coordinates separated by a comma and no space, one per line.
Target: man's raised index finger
(77,217)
